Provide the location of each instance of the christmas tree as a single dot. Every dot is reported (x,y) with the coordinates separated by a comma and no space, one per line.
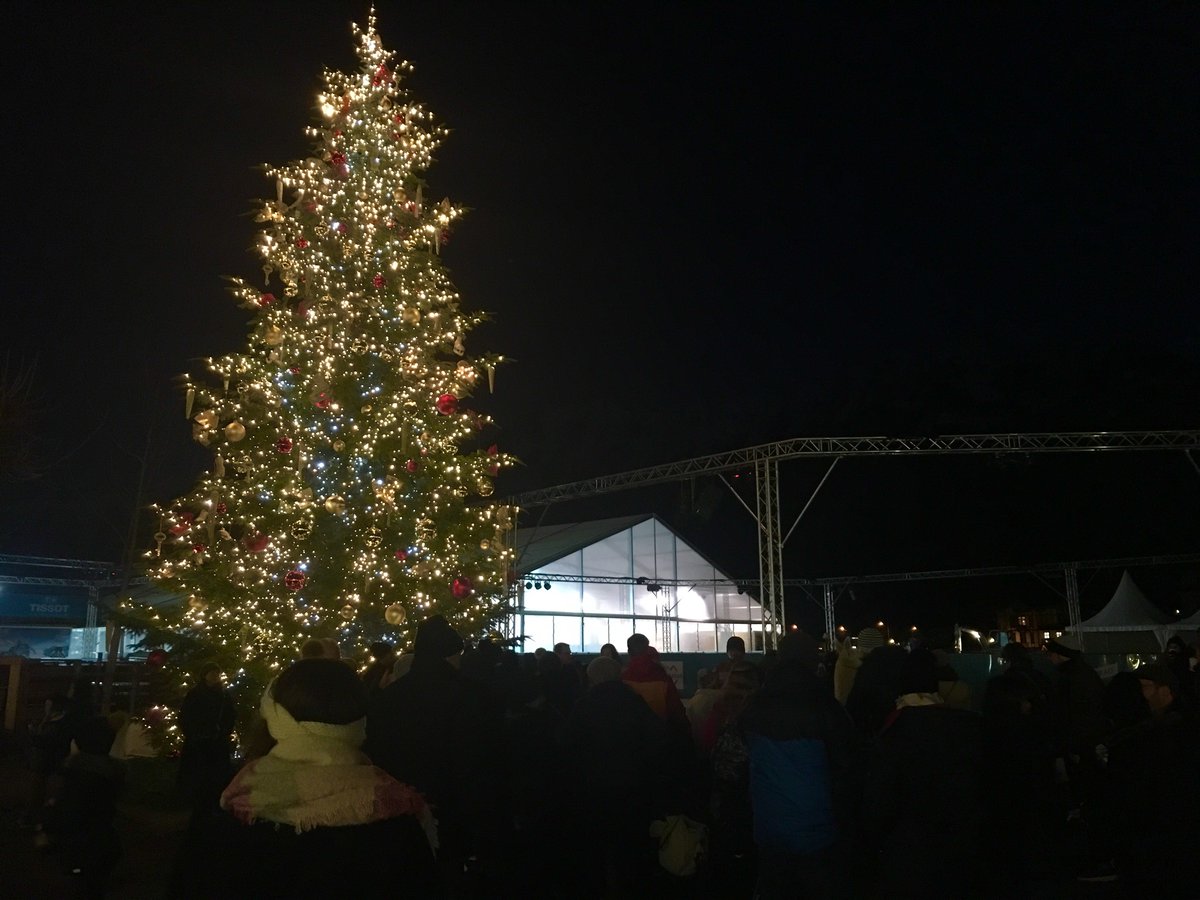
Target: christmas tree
(345,495)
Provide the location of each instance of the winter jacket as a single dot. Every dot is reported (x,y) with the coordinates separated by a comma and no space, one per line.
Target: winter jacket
(926,798)
(801,746)
(434,730)
(650,680)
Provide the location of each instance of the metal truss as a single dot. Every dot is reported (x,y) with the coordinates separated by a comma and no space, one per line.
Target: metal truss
(750,457)
(764,460)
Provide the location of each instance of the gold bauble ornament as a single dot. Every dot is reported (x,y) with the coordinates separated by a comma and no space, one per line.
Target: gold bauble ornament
(196,603)
(359,345)
(366,408)
(395,614)
(272,335)
(339,445)
(374,537)
(347,612)
(336,504)
(301,529)
(485,487)
(411,315)
(235,431)
(485,544)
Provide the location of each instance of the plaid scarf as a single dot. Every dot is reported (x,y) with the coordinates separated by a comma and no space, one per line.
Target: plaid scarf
(315,776)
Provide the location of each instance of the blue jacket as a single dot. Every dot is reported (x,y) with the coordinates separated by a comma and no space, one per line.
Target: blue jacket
(801,750)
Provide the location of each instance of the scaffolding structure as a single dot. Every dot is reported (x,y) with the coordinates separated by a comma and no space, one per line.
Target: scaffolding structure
(764,460)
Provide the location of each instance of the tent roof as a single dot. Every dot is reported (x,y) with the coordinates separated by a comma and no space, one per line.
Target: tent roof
(1128,610)
(546,543)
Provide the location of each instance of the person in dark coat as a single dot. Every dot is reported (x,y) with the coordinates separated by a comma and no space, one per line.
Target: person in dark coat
(314,818)
(923,795)
(614,749)
(82,820)
(801,747)
(873,697)
(1023,826)
(436,730)
(206,720)
(1080,693)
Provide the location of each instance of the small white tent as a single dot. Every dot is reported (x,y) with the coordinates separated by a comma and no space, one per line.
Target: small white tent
(1185,628)
(1129,623)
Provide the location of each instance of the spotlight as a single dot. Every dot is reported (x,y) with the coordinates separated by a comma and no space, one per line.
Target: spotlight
(537,585)
(653,587)
(546,585)
(529,585)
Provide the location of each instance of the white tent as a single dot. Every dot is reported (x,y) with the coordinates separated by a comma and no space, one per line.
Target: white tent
(1185,628)
(1129,623)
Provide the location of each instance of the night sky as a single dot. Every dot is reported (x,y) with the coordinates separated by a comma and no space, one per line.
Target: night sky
(699,227)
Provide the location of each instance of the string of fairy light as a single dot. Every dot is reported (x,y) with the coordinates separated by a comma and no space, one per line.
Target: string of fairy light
(349,485)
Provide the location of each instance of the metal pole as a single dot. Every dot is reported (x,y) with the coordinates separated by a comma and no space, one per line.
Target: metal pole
(770,550)
(830,616)
(1071,574)
(811,498)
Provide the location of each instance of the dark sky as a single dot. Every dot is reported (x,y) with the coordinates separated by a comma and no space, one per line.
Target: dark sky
(699,226)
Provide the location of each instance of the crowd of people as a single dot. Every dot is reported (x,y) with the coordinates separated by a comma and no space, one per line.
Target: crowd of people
(869,770)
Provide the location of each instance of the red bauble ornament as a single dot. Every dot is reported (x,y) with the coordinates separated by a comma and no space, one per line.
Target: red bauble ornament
(295,370)
(294,580)
(266,299)
(185,522)
(222,508)
(342,227)
(381,75)
(402,554)
(411,466)
(256,542)
(301,243)
(199,548)
(337,158)
(322,401)
(447,404)
(377,281)
(156,659)
(494,468)
(283,445)
(461,587)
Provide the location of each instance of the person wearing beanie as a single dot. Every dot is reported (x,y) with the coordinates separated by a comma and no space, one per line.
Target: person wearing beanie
(313,817)
(435,729)
(925,785)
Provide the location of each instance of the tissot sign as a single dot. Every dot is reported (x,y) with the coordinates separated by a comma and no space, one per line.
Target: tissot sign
(37,603)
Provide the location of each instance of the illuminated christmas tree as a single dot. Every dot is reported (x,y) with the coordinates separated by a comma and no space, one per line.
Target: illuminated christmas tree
(346,494)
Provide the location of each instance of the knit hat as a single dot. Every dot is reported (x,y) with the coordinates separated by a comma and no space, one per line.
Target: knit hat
(1064,645)
(869,638)
(798,646)
(435,637)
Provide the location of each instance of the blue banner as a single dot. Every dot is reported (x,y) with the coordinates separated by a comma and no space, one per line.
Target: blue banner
(43,603)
